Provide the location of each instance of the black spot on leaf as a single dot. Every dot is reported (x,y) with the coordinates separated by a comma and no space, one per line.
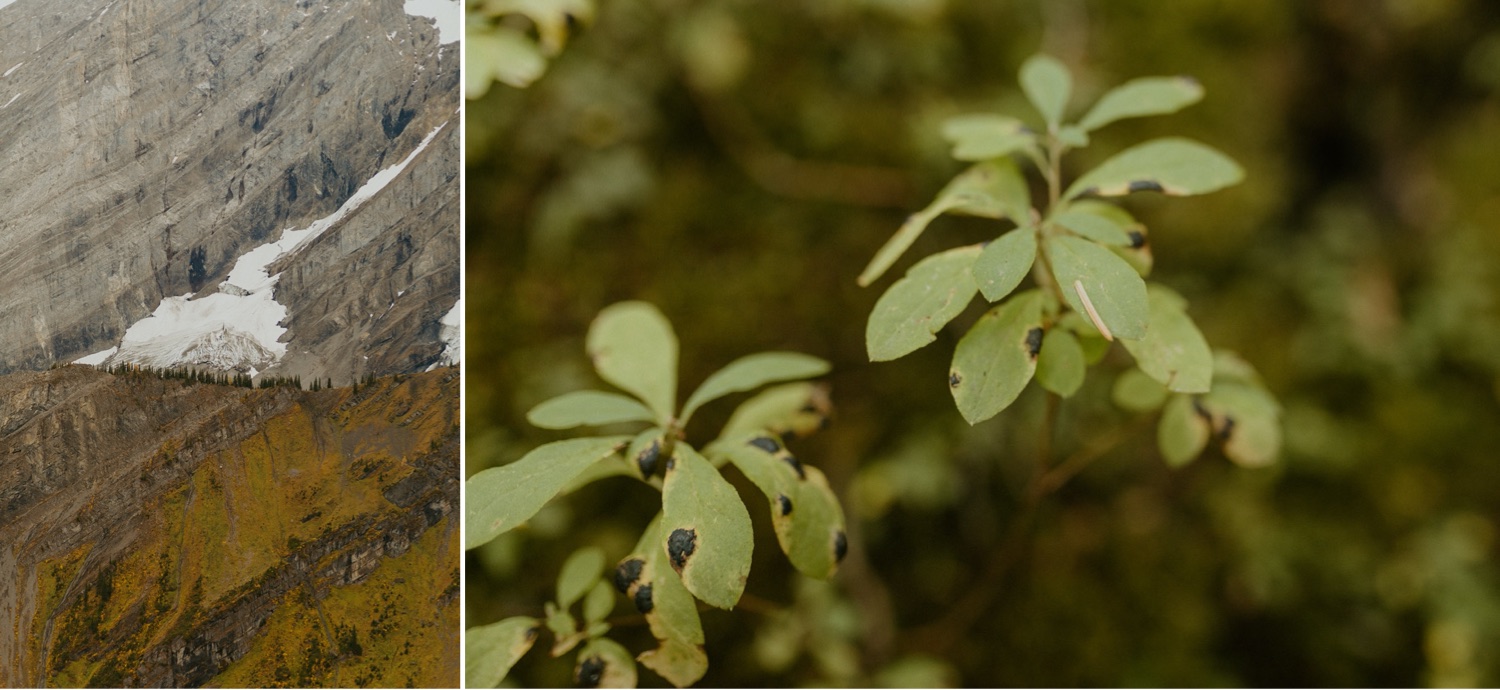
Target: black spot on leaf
(840,546)
(531,633)
(1145,186)
(796,464)
(648,459)
(1034,342)
(680,545)
(954,379)
(643,601)
(1227,429)
(671,464)
(784,504)
(765,443)
(627,573)
(1137,239)
(590,672)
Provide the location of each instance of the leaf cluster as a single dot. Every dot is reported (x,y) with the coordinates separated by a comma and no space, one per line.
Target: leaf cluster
(510,41)
(1088,260)
(698,548)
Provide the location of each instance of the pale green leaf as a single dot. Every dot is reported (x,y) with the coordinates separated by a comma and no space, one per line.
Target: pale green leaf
(1182,432)
(1060,367)
(1092,226)
(1073,137)
(1005,262)
(1143,97)
(501,498)
(1173,166)
(500,54)
(706,530)
(656,591)
(992,189)
(1229,366)
(983,136)
(1048,85)
(995,360)
(644,456)
(1111,286)
(1173,351)
(491,650)
(551,17)
(680,663)
(579,574)
(599,602)
(751,372)
(564,628)
(1137,392)
(1247,420)
(587,408)
(603,663)
(633,347)
(916,307)
(793,408)
(805,513)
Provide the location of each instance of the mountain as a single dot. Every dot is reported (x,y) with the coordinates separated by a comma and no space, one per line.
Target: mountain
(158,532)
(192,191)
(153,148)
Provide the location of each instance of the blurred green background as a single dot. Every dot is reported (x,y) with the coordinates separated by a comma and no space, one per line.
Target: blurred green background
(737,163)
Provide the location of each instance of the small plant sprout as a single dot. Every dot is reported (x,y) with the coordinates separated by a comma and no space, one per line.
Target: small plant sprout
(1087,259)
(698,547)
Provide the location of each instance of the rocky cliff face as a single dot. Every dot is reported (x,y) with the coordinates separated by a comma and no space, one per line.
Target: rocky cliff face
(147,145)
(164,533)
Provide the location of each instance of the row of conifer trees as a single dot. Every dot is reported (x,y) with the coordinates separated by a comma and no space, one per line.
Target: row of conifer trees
(218,378)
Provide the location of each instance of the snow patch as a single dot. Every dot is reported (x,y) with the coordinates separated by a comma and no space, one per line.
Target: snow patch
(447,14)
(18,64)
(12,100)
(452,335)
(238,327)
(3,3)
(97,358)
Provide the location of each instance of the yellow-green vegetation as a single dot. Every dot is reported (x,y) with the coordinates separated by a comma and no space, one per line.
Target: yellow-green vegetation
(311,478)
(393,628)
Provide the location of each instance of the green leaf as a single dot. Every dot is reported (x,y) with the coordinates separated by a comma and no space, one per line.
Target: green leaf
(1092,226)
(680,663)
(1248,421)
(500,54)
(565,632)
(1005,262)
(751,372)
(578,575)
(1137,392)
(587,408)
(603,663)
(1173,166)
(1048,85)
(501,498)
(1073,137)
(644,457)
(793,408)
(1092,343)
(1060,367)
(633,347)
(1229,366)
(551,18)
(705,529)
(670,609)
(1182,433)
(995,360)
(916,307)
(805,513)
(491,650)
(1111,286)
(992,189)
(1173,350)
(599,603)
(983,136)
(1143,97)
